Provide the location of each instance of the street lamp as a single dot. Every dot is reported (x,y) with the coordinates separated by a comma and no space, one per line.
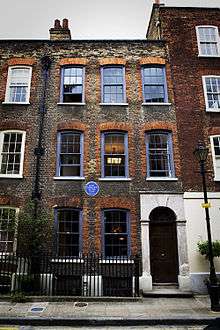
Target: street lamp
(201,154)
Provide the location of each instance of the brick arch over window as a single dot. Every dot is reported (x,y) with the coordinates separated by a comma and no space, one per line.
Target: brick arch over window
(163,127)
(120,127)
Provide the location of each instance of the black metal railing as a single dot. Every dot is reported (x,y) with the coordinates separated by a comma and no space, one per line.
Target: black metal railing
(89,275)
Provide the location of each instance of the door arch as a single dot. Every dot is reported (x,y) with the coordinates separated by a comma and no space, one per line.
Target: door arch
(163,246)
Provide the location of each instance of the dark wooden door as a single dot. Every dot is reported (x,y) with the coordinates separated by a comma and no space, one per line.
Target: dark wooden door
(163,252)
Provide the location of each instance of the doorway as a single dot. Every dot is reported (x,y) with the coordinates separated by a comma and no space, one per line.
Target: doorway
(163,246)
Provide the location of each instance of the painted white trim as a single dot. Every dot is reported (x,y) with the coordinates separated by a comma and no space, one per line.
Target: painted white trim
(198,40)
(200,195)
(13,176)
(156,103)
(7,94)
(116,261)
(213,156)
(115,104)
(69,260)
(205,93)
(71,178)
(115,179)
(161,179)
(71,103)
(17,103)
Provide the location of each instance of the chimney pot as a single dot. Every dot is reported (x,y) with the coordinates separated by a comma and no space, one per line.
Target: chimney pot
(157,2)
(57,24)
(65,23)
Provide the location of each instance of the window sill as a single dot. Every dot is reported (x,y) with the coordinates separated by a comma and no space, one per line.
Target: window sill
(216,179)
(71,178)
(71,103)
(16,103)
(2,176)
(200,55)
(115,179)
(156,103)
(114,104)
(69,260)
(212,109)
(161,179)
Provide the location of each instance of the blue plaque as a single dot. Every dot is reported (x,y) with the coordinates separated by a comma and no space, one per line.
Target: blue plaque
(92,188)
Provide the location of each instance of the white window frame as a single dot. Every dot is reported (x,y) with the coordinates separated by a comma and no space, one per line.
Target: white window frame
(205,93)
(199,42)
(216,177)
(7,94)
(16,227)
(20,175)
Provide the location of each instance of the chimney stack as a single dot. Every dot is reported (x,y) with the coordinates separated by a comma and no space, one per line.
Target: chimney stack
(59,32)
(157,2)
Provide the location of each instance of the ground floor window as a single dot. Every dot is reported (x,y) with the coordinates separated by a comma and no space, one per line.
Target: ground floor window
(116,233)
(7,229)
(68,232)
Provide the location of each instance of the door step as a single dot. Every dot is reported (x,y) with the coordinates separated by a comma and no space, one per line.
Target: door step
(167,291)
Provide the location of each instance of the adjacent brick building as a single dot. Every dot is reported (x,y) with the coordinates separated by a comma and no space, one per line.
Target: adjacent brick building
(192,36)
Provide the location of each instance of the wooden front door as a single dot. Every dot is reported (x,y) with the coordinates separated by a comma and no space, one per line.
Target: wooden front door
(163,252)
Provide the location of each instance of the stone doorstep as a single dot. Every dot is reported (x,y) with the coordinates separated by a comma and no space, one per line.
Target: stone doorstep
(167,291)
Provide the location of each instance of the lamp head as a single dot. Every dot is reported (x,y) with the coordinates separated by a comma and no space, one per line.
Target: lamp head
(201,152)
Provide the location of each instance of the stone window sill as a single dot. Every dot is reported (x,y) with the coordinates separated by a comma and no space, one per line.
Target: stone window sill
(16,103)
(115,179)
(70,178)
(71,103)
(161,179)
(156,103)
(11,176)
(114,104)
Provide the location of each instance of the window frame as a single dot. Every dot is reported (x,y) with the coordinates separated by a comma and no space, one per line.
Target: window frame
(163,67)
(13,176)
(123,87)
(125,134)
(199,42)
(216,177)
(128,233)
(56,235)
(206,93)
(62,83)
(170,155)
(15,229)
(58,167)
(8,84)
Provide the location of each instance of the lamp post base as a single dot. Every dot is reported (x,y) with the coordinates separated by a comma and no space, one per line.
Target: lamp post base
(214,294)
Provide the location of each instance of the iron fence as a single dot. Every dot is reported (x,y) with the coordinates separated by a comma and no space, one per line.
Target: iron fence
(89,275)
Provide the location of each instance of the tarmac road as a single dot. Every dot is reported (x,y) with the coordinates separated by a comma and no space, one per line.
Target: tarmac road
(103,328)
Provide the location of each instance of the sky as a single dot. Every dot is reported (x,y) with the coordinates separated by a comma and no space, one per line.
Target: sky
(88,19)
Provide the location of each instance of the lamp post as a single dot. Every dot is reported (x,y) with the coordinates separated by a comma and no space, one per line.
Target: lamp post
(201,154)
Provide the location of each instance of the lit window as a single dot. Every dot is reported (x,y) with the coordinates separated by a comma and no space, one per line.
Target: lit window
(18,84)
(211,85)
(159,155)
(72,85)
(208,40)
(11,153)
(154,84)
(215,144)
(113,84)
(70,154)
(116,231)
(114,154)
(7,229)
(68,232)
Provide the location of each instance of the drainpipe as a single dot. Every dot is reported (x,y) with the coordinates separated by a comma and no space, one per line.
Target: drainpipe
(39,150)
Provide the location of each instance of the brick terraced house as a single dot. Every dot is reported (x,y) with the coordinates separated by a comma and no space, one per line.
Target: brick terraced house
(193,38)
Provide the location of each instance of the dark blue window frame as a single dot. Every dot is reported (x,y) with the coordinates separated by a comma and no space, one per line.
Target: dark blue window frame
(154,85)
(77,246)
(117,234)
(115,83)
(160,156)
(114,156)
(68,155)
(78,89)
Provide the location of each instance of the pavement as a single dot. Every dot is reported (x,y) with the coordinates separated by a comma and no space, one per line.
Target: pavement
(143,313)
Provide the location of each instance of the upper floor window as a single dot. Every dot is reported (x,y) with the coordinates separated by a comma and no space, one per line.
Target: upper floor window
(72,84)
(7,228)
(11,153)
(159,154)
(208,40)
(113,84)
(116,233)
(68,232)
(18,84)
(70,154)
(211,85)
(114,155)
(154,84)
(215,145)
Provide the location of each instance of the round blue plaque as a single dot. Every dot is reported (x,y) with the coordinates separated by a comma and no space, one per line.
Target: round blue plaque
(92,188)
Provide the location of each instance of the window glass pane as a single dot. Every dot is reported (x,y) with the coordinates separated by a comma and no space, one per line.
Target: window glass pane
(73,85)
(68,232)
(7,228)
(213,91)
